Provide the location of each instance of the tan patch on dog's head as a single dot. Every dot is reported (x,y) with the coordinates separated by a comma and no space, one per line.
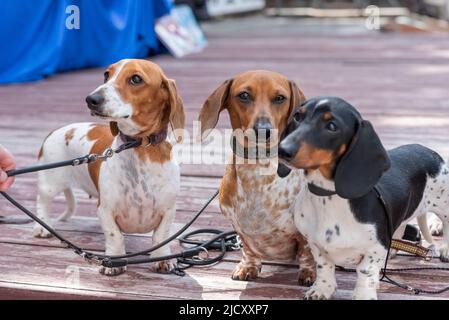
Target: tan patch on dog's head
(155,101)
(264,88)
(327,116)
(102,137)
(310,157)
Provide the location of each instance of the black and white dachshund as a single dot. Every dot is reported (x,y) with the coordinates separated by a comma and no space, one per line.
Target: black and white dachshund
(345,168)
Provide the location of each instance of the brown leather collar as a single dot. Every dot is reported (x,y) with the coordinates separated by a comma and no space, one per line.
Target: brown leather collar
(152,139)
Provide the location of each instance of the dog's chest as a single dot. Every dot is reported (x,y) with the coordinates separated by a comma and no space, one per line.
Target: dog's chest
(261,214)
(328,223)
(140,191)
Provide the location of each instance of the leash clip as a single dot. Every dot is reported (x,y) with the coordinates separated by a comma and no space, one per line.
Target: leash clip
(91,259)
(415,291)
(238,244)
(199,256)
(150,142)
(92,158)
(80,161)
(96,261)
(108,153)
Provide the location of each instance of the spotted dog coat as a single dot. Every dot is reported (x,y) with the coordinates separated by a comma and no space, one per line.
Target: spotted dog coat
(136,189)
(259,205)
(339,151)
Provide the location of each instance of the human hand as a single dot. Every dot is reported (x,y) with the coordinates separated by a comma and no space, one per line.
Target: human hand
(7,162)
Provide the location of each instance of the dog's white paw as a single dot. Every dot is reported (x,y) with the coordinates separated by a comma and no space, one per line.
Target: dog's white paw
(63,217)
(41,232)
(433,251)
(112,271)
(444,253)
(321,292)
(393,253)
(435,225)
(364,294)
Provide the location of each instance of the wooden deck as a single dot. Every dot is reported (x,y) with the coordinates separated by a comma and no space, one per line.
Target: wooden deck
(399,82)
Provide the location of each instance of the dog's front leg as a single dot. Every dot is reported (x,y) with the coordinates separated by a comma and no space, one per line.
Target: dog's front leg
(325,283)
(249,267)
(444,250)
(307,267)
(161,233)
(115,242)
(368,274)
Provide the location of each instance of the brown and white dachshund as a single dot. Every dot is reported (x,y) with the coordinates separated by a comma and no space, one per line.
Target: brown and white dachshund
(136,189)
(259,205)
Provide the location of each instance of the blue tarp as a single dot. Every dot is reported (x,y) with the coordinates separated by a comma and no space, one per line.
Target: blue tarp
(35,41)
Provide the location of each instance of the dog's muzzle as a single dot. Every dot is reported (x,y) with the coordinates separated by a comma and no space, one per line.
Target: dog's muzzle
(95,101)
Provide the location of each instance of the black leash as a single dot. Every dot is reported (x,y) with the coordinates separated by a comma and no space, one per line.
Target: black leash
(122,260)
(191,256)
(224,241)
(77,161)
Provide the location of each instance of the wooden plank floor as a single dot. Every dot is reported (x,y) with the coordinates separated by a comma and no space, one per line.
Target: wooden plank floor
(398,81)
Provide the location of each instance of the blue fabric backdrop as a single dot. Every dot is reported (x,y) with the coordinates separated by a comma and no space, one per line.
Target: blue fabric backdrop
(35,41)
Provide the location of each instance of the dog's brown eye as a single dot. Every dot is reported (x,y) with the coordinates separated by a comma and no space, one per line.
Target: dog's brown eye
(244,96)
(279,99)
(135,79)
(331,126)
(106,76)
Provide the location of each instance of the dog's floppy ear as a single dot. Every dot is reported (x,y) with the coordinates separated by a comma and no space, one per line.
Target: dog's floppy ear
(176,106)
(214,104)
(114,128)
(361,167)
(297,98)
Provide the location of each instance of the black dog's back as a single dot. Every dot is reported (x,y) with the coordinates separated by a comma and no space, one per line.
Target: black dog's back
(402,187)
(403,184)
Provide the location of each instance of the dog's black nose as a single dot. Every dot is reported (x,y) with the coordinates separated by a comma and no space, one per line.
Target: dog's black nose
(286,152)
(94,101)
(263,128)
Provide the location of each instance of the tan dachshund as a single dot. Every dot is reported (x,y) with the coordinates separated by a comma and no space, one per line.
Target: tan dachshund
(259,205)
